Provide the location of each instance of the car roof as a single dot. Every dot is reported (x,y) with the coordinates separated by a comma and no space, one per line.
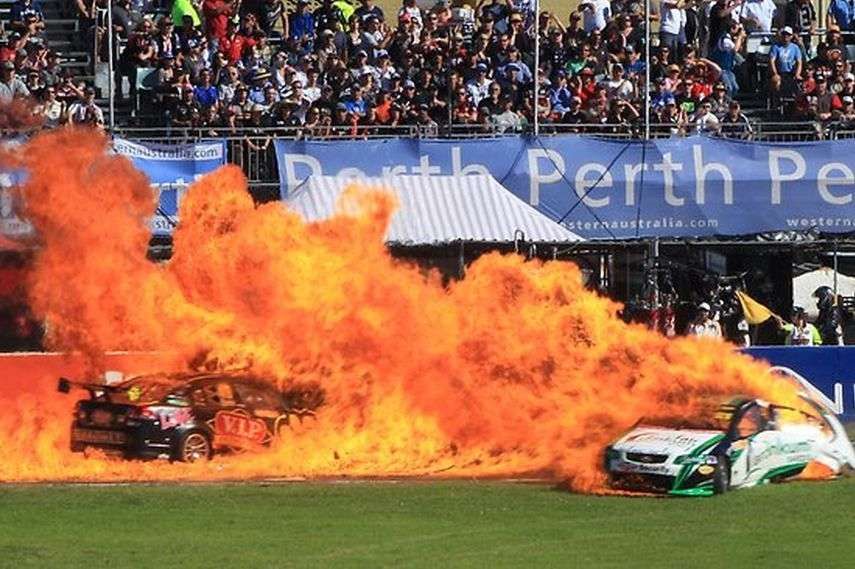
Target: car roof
(183,378)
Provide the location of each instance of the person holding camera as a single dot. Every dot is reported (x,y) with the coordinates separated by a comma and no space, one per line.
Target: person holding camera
(725,55)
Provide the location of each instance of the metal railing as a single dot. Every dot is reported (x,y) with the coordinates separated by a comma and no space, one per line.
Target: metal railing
(758,131)
(252,149)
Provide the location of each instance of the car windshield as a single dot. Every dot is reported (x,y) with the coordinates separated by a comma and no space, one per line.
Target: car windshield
(143,390)
(709,416)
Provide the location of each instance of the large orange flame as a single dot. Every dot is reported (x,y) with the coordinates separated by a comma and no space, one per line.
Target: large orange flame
(515,369)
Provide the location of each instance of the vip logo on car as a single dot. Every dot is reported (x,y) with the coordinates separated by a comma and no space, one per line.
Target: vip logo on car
(239,427)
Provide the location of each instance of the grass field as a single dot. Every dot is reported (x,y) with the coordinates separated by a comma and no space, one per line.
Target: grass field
(441,524)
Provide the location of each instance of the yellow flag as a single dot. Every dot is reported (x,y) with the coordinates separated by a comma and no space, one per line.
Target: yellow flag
(755,313)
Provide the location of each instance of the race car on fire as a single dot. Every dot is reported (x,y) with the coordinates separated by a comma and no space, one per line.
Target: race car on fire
(185,417)
(742,443)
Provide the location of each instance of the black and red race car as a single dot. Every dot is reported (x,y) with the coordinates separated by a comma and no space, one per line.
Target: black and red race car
(185,416)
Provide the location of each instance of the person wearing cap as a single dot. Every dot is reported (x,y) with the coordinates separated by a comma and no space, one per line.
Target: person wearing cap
(827,103)
(525,72)
(617,86)
(847,113)
(705,120)
(703,326)
(479,86)
(512,77)
(785,64)
(734,124)
(800,332)
(11,86)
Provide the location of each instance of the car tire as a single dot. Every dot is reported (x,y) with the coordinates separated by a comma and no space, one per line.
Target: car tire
(721,476)
(193,446)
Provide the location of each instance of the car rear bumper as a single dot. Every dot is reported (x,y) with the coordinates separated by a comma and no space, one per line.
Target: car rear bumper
(129,442)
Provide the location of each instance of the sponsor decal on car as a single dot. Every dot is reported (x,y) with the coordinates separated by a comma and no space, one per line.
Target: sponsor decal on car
(170,417)
(238,428)
(134,393)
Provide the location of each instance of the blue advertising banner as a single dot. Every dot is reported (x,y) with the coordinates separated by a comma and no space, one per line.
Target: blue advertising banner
(612,189)
(830,369)
(11,225)
(171,168)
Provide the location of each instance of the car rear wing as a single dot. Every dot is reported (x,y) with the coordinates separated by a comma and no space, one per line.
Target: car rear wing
(65,385)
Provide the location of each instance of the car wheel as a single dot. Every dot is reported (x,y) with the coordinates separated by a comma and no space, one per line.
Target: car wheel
(194,446)
(721,476)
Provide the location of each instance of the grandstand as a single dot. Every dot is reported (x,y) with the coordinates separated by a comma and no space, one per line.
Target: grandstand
(593,54)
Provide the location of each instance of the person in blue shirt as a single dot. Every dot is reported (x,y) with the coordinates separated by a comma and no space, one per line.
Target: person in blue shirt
(302,25)
(206,94)
(559,95)
(355,105)
(785,64)
(841,14)
(26,12)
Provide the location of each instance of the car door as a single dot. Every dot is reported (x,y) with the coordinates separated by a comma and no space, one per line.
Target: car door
(262,402)
(216,403)
(760,440)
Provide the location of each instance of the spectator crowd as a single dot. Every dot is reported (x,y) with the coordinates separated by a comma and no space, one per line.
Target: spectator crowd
(334,67)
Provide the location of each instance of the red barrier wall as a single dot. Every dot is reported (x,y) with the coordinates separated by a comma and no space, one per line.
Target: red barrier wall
(22,373)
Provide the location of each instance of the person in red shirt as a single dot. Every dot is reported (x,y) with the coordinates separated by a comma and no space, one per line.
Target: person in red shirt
(235,45)
(217,14)
(7,51)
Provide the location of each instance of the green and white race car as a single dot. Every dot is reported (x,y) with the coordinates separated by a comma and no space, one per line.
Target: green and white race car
(744,443)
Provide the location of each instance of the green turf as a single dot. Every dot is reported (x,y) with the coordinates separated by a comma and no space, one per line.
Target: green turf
(447,524)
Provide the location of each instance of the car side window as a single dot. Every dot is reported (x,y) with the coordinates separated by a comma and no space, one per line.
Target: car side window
(257,397)
(213,394)
(751,422)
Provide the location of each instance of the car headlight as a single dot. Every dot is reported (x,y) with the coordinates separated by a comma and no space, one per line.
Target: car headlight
(609,456)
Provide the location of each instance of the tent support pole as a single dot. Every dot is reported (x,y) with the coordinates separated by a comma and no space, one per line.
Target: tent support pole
(654,253)
(835,271)
(461,262)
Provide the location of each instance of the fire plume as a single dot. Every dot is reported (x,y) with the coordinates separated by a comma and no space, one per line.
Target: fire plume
(516,369)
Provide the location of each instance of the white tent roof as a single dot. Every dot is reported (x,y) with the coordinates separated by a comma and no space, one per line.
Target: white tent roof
(804,285)
(440,209)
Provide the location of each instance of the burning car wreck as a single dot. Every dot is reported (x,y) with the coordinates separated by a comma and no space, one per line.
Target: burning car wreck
(741,443)
(186,417)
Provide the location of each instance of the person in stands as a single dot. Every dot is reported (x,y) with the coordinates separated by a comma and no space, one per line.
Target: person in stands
(704,326)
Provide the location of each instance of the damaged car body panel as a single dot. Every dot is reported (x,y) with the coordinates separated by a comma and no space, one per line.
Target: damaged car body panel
(185,416)
(746,442)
